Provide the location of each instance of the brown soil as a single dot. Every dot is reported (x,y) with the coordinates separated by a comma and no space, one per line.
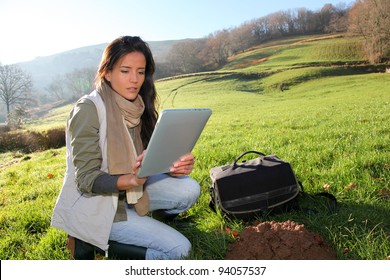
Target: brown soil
(279,241)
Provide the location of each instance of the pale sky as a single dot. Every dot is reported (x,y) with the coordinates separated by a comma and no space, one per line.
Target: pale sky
(31,28)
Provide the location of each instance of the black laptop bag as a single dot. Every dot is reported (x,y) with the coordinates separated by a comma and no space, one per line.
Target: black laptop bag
(257,186)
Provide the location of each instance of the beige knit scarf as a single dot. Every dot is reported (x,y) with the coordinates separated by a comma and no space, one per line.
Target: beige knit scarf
(121,149)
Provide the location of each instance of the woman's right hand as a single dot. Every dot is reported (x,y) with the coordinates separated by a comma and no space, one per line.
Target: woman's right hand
(128,181)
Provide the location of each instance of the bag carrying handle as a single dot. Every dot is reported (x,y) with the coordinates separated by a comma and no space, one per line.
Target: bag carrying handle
(248,152)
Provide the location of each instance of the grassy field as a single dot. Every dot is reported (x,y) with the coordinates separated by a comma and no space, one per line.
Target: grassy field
(55,118)
(330,122)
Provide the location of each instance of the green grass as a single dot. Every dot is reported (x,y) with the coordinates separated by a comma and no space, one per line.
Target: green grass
(29,189)
(306,52)
(331,125)
(55,118)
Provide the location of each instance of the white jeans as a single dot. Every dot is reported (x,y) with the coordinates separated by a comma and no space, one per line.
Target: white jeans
(176,195)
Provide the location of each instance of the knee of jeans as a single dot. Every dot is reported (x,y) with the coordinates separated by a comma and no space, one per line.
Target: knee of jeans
(194,187)
(181,251)
(190,196)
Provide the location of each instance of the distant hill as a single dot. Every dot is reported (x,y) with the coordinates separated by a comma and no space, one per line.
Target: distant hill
(43,69)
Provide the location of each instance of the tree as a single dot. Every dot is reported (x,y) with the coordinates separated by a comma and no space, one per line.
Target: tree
(184,57)
(57,88)
(278,24)
(241,38)
(15,85)
(302,20)
(371,19)
(338,20)
(80,81)
(261,30)
(15,118)
(217,49)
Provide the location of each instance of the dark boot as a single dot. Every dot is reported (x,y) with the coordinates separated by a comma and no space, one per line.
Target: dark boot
(162,216)
(120,251)
(81,250)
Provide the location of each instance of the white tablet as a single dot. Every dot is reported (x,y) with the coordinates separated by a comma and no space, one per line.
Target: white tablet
(175,134)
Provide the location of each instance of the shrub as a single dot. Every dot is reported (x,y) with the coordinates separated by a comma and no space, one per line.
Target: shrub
(55,138)
(4,128)
(30,141)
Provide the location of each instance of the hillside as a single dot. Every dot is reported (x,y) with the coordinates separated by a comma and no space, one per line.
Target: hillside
(281,64)
(274,66)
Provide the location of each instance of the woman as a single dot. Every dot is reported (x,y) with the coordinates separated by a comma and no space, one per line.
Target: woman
(103,204)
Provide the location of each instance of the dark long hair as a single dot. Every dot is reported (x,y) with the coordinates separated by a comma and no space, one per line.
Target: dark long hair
(116,50)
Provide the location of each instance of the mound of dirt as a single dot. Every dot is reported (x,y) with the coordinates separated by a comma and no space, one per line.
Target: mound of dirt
(279,241)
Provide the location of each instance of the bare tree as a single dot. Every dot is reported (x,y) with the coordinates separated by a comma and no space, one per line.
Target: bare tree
(302,19)
(339,20)
(325,16)
(261,29)
(241,38)
(184,57)
(80,81)
(371,19)
(57,88)
(279,24)
(15,118)
(15,85)
(217,49)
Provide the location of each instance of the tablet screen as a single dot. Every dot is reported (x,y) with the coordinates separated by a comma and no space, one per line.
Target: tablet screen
(175,134)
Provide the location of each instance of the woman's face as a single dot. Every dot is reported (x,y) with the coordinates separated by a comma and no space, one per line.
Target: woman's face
(128,75)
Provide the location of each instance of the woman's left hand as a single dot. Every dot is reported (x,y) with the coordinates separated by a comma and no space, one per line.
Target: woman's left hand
(183,166)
